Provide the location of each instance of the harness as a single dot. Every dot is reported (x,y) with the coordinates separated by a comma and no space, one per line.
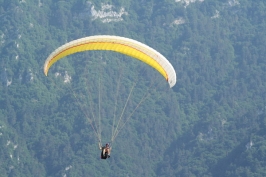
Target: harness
(104,156)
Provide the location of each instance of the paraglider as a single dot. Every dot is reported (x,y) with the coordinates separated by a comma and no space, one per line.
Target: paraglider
(126,46)
(118,44)
(106,150)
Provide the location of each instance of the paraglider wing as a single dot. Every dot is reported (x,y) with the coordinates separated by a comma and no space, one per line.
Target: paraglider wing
(122,45)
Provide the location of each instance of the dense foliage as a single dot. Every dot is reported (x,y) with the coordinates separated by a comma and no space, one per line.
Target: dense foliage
(212,123)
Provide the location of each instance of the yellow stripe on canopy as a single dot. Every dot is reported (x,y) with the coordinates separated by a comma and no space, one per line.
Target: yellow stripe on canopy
(118,44)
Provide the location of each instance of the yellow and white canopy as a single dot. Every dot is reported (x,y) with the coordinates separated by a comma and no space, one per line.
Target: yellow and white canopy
(122,45)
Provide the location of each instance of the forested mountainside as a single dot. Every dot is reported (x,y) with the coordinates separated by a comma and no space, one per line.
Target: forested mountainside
(211,123)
